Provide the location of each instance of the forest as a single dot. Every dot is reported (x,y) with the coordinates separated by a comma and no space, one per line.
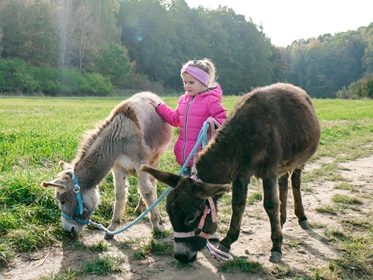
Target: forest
(103,47)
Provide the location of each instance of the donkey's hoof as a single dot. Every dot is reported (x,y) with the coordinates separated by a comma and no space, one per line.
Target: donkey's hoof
(275,257)
(158,227)
(304,224)
(108,237)
(221,247)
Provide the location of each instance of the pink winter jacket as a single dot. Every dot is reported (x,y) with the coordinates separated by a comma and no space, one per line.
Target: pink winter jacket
(189,115)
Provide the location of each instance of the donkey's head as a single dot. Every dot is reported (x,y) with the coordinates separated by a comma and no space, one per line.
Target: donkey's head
(76,204)
(191,211)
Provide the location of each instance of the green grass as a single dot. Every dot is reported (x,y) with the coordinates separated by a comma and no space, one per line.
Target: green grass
(102,266)
(346,187)
(158,249)
(144,248)
(62,275)
(294,243)
(99,247)
(346,124)
(357,224)
(35,133)
(327,209)
(340,198)
(356,262)
(242,265)
(254,197)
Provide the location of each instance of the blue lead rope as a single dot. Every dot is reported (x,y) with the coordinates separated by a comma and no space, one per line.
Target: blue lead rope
(202,139)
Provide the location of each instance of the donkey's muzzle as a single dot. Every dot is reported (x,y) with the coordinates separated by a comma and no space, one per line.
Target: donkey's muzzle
(185,258)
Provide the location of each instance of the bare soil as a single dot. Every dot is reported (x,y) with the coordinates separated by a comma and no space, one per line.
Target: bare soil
(303,250)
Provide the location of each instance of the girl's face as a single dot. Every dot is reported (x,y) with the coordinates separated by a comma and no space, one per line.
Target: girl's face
(192,85)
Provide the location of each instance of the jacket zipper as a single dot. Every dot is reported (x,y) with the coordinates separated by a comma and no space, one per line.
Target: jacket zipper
(185,129)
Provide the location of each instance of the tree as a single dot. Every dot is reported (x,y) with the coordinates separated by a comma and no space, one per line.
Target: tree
(1,40)
(160,38)
(86,36)
(86,27)
(367,37)
(148,34)
(113,62)
(29,32)
(65,32)
(324,65)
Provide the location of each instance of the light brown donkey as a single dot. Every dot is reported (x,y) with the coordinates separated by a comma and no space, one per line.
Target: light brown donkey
(133,134)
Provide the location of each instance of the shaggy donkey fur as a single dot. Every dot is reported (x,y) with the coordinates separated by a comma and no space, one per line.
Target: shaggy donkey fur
(271,134)
(133,134)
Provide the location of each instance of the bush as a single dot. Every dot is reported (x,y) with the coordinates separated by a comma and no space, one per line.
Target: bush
(142,82)
(68,81)
(74,82)
(47,80)
(94,84)
(362,88)
(15,76)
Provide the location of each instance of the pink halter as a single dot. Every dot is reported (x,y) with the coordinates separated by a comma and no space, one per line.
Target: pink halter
(198,231)
(214,252)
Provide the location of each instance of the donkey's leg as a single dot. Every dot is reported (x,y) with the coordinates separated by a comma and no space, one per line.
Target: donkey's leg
(121,191)
(283,186)
(149,194)
(239,195)
(271,206)
(296,179)
(141,204)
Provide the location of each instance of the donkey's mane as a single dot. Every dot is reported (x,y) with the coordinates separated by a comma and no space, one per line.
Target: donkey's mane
(90,136)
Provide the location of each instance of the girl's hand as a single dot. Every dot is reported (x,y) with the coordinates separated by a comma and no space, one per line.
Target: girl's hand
(154,103)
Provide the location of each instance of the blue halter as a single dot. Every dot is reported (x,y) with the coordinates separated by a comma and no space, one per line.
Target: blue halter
(80,207)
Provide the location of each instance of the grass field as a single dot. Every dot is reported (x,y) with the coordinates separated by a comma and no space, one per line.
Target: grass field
(35,133)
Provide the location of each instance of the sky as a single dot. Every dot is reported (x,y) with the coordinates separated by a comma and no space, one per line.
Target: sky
(284,21)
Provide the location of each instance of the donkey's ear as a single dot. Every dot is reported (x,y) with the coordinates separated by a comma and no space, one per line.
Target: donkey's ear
(52,184)
(165,177)
(205,190)
(64,165)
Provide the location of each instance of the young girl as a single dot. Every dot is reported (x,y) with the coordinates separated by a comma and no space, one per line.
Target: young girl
(201,100)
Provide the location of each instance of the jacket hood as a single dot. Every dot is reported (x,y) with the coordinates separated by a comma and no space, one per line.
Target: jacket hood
(216,91)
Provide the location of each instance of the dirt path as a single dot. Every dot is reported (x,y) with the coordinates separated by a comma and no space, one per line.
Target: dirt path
(303,250)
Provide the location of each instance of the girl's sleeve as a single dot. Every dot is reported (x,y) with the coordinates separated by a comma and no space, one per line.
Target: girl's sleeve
(169,115)
(217,111)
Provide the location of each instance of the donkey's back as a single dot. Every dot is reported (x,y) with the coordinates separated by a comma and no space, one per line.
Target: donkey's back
(153,132)
(276,126)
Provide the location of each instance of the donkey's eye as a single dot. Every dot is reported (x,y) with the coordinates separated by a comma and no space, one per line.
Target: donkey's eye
(62,202)
(190,219)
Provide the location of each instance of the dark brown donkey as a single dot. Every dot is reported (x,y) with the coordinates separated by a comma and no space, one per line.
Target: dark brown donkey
(271,134)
